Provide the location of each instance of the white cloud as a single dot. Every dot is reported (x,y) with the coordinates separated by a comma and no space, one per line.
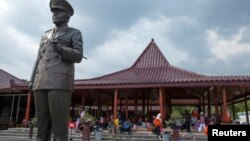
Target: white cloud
(224,48)
(5,7)
(23,41)
(20,52)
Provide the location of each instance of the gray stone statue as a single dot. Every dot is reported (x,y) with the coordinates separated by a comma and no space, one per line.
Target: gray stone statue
(52,78)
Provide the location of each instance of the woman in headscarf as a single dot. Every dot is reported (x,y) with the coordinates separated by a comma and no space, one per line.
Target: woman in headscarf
(157,124)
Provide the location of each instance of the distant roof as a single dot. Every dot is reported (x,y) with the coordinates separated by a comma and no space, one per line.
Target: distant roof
(7,80)
(152,69)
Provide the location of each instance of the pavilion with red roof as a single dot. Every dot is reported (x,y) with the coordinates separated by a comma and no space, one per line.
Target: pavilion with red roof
(12,99)
(151,80)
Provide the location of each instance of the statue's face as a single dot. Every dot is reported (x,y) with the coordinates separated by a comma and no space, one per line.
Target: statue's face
(59,16)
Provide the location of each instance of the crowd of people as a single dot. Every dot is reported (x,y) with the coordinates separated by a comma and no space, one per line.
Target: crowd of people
(198,121)
(194,121)
(120,124)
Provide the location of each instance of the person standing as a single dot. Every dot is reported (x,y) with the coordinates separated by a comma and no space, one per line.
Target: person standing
(72,113)
(157,124)
(186,124)
(123,116)
(52,77)
(202,122)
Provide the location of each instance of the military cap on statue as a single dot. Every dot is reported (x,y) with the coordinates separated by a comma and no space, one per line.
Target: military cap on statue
(61,4)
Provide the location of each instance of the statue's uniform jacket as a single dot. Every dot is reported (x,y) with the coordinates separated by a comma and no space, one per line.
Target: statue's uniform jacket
(53,70)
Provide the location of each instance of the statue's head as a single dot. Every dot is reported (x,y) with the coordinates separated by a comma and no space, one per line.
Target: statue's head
(63,5)
(61,10)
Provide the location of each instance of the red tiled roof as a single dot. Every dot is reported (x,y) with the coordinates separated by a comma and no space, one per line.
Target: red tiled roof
(7,80)
(152,69)
(151,57)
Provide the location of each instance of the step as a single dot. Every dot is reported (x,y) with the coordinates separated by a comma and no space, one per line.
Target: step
(19,133)
(105,137)
(23,134)
(2,137)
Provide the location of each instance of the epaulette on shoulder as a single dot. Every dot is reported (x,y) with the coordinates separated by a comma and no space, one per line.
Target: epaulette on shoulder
(71,28)
(48,30)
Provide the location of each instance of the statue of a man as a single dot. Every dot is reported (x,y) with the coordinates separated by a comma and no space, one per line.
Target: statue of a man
(52,78)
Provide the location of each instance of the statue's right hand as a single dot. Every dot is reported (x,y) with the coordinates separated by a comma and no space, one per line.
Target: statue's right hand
(30,86)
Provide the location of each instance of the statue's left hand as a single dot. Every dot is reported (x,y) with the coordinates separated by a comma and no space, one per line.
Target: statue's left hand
(57,49)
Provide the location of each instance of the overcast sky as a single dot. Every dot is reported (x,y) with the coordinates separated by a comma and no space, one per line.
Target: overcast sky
(210,37)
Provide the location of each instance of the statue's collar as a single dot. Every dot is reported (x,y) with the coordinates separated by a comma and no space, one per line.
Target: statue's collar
(61,28)
(57,31)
